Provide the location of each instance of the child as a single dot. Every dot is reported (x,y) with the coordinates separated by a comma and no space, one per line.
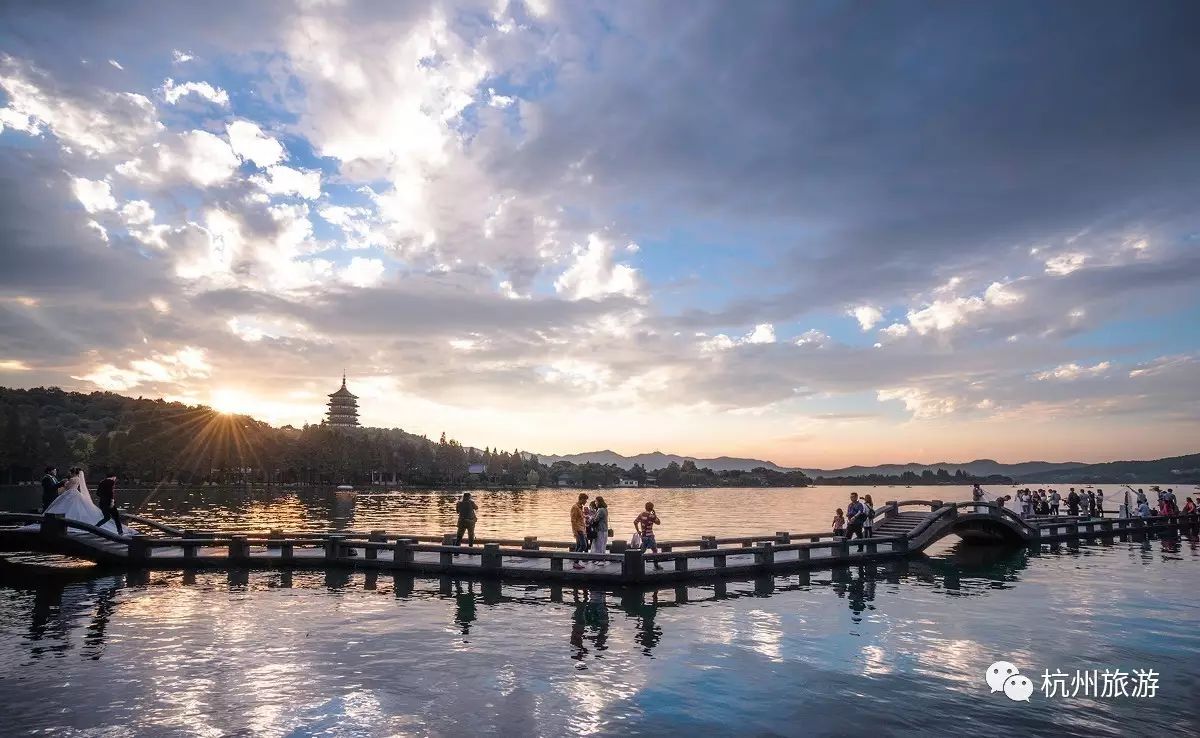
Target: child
(839,523)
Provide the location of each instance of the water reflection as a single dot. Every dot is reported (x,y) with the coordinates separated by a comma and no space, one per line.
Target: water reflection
(296,652)
(589,623)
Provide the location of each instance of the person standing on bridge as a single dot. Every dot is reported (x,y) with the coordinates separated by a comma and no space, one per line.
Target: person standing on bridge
(868,517)
(839,523)
(50,487)
(1144,507)
(467,517)
(579,528)
(1073,503)
(106,496)
(600,524)
(1055,502)
(1099,502)
(854,513)
(644,524)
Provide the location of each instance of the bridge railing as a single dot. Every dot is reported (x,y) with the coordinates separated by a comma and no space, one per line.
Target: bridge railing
(56,524)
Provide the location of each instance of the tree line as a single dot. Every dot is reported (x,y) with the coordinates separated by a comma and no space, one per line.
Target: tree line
(151,441)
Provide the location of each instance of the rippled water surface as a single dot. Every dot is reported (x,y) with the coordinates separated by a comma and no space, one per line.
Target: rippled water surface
(887,650)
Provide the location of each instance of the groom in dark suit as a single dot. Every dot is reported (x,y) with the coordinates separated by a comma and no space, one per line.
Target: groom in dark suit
(106,495)
(50,487)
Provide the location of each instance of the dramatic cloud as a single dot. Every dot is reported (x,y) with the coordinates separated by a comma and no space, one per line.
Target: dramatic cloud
(935,231)
(173,93)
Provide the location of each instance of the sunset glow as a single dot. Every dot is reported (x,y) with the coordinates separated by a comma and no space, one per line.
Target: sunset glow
(470,211)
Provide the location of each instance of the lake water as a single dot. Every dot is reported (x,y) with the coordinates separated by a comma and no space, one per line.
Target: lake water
(886,650)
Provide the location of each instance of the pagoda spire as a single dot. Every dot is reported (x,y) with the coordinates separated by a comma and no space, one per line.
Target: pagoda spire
(343,408)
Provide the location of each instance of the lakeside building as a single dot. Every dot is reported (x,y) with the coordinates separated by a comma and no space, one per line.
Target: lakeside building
(343,408)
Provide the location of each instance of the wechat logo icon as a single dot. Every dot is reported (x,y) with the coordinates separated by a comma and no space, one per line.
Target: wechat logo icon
(1002,676)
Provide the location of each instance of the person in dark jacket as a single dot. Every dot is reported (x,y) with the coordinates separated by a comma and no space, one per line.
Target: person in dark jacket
(106,498)
(854,516)
(1073,503)
(466,519)
(50,486)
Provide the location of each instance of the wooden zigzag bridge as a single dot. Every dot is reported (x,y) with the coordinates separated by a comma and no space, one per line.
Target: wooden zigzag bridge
(901,529)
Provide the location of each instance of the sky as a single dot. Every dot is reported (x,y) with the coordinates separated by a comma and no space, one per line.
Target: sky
(818,233)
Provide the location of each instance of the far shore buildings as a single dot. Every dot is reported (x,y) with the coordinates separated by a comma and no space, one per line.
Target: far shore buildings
(343,408)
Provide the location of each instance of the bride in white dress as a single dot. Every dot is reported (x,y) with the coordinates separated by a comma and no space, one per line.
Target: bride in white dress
(75,503)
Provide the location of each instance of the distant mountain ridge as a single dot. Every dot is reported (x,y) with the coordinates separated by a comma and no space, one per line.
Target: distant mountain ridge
(1178,469)
(978,468)
(659,460)
(1181,469)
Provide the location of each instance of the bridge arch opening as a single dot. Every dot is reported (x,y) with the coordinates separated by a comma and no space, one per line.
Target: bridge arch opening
(987,532)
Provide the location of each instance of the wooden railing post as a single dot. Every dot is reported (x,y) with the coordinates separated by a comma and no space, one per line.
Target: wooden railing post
(530,543)
(239,550)
(139,547)
(765,554)
(53,525)
(708,543)
(681,563)
(634,565)
(403,555)
(719,561)
(935,504)
(377,536)
(782,537)
(333,547)
(491,557)
(275,533)
(803,554)
(892,509)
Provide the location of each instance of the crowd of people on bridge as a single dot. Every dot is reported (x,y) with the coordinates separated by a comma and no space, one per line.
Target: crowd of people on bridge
(1086,502)
(1043,502)
(591,531)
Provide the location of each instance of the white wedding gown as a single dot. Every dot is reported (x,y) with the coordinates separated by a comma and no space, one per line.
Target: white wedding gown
(75,503)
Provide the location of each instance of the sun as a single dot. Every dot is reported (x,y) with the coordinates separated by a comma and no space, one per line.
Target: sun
(227,401)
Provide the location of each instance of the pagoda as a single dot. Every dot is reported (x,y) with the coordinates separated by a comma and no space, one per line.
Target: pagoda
(343,408)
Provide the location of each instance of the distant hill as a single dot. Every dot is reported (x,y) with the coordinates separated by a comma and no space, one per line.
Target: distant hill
(659,460)
(977,468)
(1181,469)
(1188,467)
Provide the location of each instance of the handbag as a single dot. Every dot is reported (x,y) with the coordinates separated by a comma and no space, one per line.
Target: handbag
(635,541)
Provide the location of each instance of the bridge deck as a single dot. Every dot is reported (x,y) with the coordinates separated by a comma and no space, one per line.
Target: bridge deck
(902,529)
